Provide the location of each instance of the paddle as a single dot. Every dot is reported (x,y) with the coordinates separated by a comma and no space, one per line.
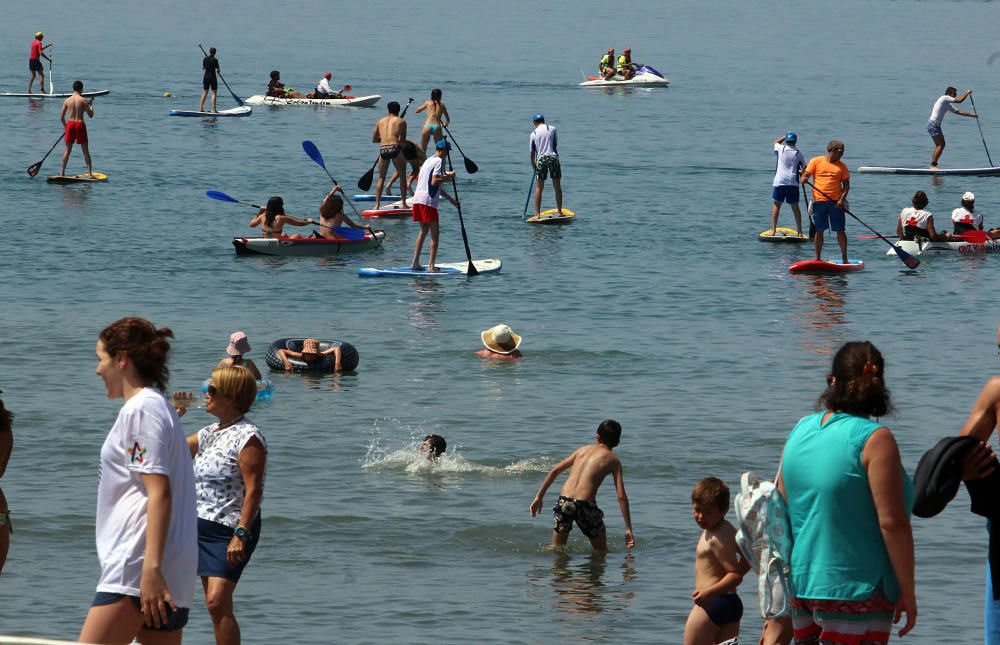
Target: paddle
(52,87)
(310,149)
(472,270)
(345,232)
(910,261)
(238,100)
(366,179)
(35,167)
(470,165)
(980,128)
(534,173)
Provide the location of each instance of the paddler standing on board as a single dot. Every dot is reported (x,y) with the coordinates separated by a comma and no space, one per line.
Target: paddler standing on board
(390,134)
(945,104)
(73,110)
(35,62)
(545,161)
(786,180)
(209,80)
(831,183)
(425,202)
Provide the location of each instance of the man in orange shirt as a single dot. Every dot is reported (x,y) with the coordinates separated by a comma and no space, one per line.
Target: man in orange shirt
(831,183)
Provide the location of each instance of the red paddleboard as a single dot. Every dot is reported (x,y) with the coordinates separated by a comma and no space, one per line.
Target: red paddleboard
(825,266)
(394,209)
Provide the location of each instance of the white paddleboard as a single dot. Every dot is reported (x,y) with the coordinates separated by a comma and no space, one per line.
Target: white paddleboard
(967,172)
(57,95)
(243,110)
(491,265)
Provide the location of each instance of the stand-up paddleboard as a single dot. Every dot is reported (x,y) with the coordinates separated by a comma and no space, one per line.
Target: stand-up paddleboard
(74,179)
(960,172)
(243,110)
(57,95)
(492,265)
(395,209)
(825,266)
(783,235)
(370,197)
(552,216)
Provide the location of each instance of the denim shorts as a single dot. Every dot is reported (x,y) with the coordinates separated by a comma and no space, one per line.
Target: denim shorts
(786,194)
(826,215)
(213,540)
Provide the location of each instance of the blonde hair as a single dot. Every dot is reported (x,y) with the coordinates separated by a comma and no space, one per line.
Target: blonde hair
(238,384)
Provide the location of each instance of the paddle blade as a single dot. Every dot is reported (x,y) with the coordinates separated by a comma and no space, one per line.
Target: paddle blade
(975,237)
(472,270)
(910,261)
(366,179)
(348,233)
(34,168)
(470,166)
(222,197)
(313,152)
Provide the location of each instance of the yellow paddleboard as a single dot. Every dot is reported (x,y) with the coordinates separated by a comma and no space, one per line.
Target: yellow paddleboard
(72,179)
(783,235)
(552,216)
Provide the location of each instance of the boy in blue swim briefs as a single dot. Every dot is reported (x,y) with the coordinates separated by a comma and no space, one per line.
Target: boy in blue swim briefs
(578,497)
(718,569)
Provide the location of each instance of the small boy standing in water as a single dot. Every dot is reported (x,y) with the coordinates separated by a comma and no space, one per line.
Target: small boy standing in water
(578,498)
(718,569)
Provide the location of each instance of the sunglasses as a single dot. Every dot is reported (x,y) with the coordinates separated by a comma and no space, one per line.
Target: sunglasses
(214,391)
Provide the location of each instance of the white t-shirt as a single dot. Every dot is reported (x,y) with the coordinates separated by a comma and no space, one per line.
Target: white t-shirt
(964,216)
(942,106)
(910,216)
(427,193)
(544,142)
(147,438)
(218,481)
(324,86)
(789,161)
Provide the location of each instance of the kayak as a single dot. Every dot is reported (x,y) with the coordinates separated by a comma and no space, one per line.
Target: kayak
(348,356)
(961,172)
(350,101)
(825,266)
(57,95)
(925,247)
(552,216)
(492,265)
(645,76)
(75,179)
(395,209)
(783,235)
(243,110)
(306,246)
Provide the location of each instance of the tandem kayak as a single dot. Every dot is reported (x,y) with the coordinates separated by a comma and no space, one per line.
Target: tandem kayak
(348,356)
(57,95)
(925,247)
(350,101)
(243,110)
(825,266)
(960,172)
(645,76)
(305,246)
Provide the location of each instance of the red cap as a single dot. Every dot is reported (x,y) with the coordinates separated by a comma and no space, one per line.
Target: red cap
(328,75)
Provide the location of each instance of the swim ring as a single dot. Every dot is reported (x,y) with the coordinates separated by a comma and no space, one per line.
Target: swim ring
(348,356)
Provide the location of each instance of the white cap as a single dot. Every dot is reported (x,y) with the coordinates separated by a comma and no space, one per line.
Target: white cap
(968,197)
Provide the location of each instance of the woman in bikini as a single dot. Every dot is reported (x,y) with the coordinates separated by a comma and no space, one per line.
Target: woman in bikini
(272,219)
(437,119)
(331,214)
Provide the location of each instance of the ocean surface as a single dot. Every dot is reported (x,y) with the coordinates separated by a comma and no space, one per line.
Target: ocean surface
(658,307)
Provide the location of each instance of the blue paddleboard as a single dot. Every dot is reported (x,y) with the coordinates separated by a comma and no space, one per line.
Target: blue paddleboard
(491,265)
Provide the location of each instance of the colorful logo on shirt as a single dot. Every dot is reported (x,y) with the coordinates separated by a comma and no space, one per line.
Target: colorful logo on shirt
(137,453)
(912,221)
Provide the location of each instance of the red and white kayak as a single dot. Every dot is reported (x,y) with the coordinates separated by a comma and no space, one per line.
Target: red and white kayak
(925,247)
(826,266)
(395,209)
(347,101)
(305,246)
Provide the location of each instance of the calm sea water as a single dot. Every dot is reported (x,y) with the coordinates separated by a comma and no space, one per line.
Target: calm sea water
(658,307)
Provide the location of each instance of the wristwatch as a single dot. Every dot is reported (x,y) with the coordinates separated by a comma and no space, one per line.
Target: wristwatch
(242,533)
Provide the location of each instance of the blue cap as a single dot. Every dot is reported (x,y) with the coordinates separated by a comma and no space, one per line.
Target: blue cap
(791,137)
(538,117)
(443,145)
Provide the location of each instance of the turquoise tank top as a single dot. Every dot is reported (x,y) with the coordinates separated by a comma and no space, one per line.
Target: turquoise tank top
(837,548)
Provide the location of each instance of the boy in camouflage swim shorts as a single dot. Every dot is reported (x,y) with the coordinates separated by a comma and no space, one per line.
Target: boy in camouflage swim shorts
(578,498)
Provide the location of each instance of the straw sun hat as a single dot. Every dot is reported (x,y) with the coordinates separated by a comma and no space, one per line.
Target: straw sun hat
(500,339)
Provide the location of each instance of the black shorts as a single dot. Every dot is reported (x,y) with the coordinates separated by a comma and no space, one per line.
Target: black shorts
(35,65)
(175,619)
(390,151)
(210,83)
(584,512)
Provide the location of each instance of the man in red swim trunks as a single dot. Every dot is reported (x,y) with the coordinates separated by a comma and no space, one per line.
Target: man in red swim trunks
(73,110)
(425,202)
(35,62)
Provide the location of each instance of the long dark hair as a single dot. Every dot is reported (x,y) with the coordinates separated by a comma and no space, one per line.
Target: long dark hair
(856,383)
(145,345)
(436,95)
(275,207)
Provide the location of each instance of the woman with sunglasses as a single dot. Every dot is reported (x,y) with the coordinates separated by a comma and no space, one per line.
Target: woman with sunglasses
(147,539)
(230,459)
